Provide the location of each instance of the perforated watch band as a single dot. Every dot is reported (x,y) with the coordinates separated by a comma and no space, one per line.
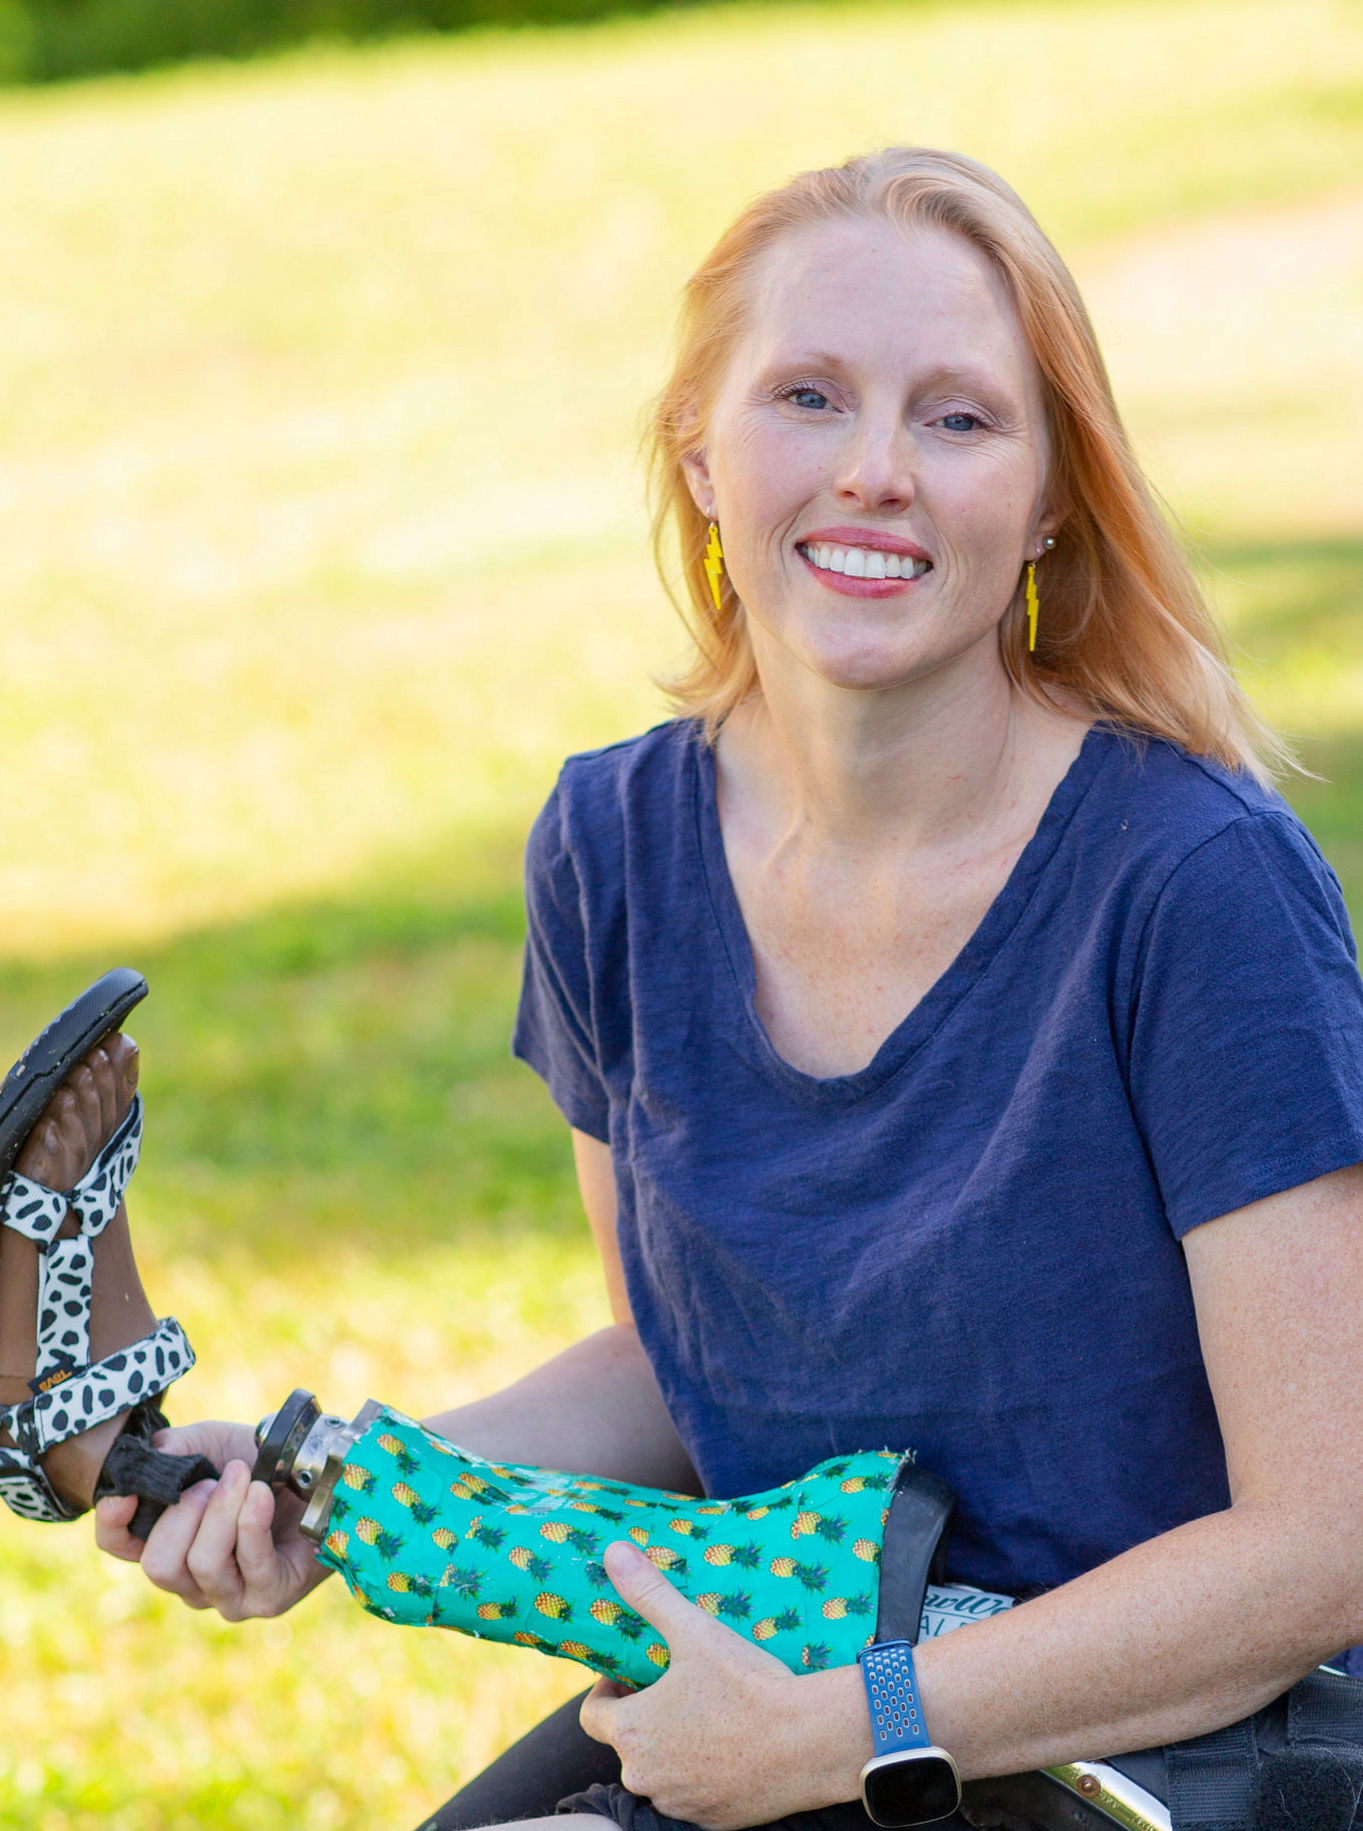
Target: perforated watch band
(892,1695)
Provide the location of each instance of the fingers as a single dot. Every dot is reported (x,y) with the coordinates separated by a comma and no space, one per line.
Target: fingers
(216,1548)
(650,1594)
(219,1441)
(112,1517)
(164,1557)
(600,1708)
(257,1558)
(233,1561)
(212,1559)
(114,1513)
(191,1550)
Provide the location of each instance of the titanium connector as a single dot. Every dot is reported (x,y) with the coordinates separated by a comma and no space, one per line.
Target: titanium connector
(302,1448)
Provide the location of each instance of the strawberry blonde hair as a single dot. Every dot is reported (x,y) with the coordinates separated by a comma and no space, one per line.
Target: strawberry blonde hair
(1124,624)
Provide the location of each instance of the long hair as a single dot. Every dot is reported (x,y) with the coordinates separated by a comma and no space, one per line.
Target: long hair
(1125,626)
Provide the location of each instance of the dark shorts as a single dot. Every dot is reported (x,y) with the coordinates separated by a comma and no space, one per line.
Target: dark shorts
(558,1768)
(634,1814)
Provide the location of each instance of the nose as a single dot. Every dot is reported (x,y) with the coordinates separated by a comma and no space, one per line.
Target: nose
(876,471)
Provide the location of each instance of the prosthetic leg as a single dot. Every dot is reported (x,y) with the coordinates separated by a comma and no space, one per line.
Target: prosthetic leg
(425,1532)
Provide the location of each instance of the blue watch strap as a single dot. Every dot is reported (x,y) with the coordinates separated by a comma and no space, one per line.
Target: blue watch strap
(892,1694)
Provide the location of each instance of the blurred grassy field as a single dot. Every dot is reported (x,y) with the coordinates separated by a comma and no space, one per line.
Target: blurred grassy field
(322,543)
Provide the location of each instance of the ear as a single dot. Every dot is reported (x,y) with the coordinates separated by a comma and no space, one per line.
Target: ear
(695,465)
(1053,512)
(696,470)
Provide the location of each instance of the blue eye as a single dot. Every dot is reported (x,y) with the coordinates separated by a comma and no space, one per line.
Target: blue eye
(960,422)
(809,398)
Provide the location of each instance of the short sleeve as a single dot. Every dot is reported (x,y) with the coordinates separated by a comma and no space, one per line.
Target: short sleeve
(554,1032)
(1246,1067)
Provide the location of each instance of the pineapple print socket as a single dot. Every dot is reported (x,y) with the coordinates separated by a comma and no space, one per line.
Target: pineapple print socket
(425,1533)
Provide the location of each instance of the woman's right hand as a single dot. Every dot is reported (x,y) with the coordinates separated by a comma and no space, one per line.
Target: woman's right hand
(229,1544)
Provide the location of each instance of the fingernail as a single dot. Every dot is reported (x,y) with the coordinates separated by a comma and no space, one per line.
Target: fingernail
(626,1558)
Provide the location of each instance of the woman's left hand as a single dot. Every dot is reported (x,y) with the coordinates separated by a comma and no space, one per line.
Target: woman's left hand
(727,1736)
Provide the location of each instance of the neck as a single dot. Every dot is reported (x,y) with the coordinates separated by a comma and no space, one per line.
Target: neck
(917,766)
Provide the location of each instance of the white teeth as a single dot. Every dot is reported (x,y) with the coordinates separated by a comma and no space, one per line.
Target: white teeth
(865,562)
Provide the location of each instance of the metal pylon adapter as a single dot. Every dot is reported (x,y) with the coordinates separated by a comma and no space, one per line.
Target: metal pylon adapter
(302,1448)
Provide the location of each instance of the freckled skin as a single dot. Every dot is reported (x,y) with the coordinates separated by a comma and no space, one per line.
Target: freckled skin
(884,382)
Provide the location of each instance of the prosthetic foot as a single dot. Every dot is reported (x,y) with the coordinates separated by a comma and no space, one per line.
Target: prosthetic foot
(426,1533)
(83,1362)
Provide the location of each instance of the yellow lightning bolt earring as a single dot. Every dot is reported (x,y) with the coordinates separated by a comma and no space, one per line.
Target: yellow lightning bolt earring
(714,564)
(1033,604)
(1033,607)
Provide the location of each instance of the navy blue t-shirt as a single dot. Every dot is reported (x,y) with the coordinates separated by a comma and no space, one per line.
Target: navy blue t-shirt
(971,1246)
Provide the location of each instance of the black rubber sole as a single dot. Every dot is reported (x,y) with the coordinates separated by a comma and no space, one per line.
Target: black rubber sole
(49,1058)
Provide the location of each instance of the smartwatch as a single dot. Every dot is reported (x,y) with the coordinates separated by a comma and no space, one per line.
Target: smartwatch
(907,1781)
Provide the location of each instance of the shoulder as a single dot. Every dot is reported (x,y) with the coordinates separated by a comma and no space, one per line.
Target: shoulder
(1186,797)
(1243,1024)
(605,800)
(1223,897)
(1180,818)
(620,775)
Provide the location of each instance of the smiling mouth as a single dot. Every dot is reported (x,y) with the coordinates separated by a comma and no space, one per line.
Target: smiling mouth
(863,562)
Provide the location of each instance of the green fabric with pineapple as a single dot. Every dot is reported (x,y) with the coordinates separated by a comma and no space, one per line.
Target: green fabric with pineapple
(426,1533)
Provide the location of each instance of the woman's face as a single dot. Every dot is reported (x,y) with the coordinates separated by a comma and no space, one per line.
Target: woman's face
(882,415)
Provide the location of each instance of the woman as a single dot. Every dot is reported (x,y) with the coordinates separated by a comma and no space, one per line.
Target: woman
(1082,1226)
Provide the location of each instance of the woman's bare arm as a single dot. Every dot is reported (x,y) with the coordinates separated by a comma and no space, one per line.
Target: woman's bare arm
(1178,1636)
(592,1410)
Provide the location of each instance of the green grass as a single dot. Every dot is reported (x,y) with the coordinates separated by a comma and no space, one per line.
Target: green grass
(322,540)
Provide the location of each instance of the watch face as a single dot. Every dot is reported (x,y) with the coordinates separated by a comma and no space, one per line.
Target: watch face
(911,1788)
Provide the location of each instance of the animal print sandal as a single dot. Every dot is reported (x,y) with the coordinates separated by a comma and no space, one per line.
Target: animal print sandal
(426,1533)
(81,1355)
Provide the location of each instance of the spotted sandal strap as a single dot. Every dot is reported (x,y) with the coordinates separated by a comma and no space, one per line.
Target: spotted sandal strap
(117,1383)
(66,1267)
(25,1489)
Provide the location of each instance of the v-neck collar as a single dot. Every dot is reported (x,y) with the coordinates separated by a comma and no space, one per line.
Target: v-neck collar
(954,984)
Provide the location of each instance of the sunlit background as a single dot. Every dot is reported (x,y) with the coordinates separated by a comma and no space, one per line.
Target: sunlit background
(322,541)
